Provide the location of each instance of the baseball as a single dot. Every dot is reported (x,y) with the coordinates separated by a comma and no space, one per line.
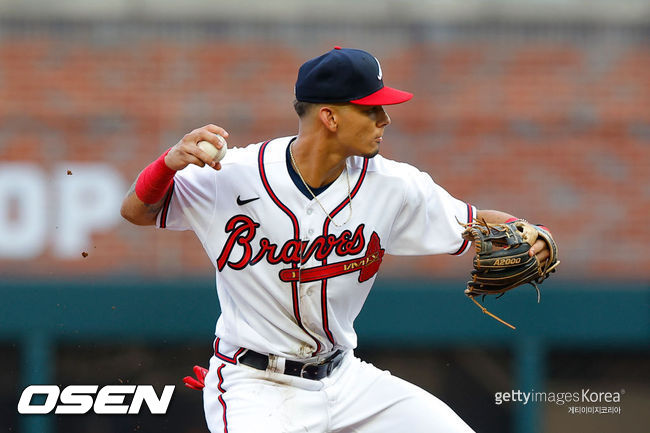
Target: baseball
(216,154)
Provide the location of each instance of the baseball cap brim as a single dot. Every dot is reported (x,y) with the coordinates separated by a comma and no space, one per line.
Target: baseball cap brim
(384,96)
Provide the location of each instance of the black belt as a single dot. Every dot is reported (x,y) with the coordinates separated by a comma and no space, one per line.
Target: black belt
(307,370)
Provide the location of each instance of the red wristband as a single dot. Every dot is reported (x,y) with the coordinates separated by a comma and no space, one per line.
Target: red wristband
(154,181)
(511,220)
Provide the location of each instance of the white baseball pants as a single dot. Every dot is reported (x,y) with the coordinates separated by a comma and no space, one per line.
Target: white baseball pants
(356,398)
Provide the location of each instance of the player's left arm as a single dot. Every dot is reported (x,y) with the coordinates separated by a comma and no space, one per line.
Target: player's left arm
(539,249)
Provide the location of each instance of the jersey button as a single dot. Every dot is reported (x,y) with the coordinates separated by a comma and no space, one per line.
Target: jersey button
(310,231)
(309,211)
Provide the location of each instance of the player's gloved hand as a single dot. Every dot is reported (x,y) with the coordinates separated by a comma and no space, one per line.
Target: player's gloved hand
(509,255)
(187,151)
(198,383)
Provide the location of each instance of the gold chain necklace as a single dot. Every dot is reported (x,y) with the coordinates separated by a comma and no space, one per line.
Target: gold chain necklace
(293,160)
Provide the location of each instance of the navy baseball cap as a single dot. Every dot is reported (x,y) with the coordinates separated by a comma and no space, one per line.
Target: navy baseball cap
(346,75)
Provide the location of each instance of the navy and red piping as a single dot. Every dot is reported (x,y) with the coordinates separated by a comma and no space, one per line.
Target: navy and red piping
(221,356)
(221,400)
(165,208)
(338,209)
(470,218)
(296,236)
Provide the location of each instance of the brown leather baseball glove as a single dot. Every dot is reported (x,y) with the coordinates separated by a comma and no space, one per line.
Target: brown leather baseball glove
(502,261)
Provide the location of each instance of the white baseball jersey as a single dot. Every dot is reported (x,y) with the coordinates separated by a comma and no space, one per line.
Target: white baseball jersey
(290,282)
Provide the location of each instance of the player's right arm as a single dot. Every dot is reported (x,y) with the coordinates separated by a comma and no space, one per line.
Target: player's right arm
(146,196)
(138,212)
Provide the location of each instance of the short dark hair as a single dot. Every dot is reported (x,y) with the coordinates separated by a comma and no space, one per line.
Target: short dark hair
(302,107)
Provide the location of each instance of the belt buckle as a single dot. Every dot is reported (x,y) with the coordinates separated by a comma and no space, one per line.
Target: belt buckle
(304,366)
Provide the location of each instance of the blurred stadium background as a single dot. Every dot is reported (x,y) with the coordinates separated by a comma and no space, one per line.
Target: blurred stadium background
(537,107)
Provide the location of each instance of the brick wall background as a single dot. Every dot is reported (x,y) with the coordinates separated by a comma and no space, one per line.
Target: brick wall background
(548,122)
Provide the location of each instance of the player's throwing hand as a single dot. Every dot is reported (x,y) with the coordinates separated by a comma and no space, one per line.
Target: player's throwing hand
(187,151)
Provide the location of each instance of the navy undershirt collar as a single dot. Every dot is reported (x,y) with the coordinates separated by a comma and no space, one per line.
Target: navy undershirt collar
(296,178)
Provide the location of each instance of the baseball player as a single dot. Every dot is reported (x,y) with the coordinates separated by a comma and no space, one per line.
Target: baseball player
(297,228)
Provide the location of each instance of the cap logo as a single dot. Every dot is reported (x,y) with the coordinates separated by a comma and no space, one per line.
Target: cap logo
(380,74)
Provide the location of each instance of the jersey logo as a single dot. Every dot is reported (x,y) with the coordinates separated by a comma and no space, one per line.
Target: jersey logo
(242,232)
(367,266)
(241,202)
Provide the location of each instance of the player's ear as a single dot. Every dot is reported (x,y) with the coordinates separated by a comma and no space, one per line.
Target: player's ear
(328,117)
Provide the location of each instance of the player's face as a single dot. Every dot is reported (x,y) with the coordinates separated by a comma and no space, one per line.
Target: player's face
(361,128)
